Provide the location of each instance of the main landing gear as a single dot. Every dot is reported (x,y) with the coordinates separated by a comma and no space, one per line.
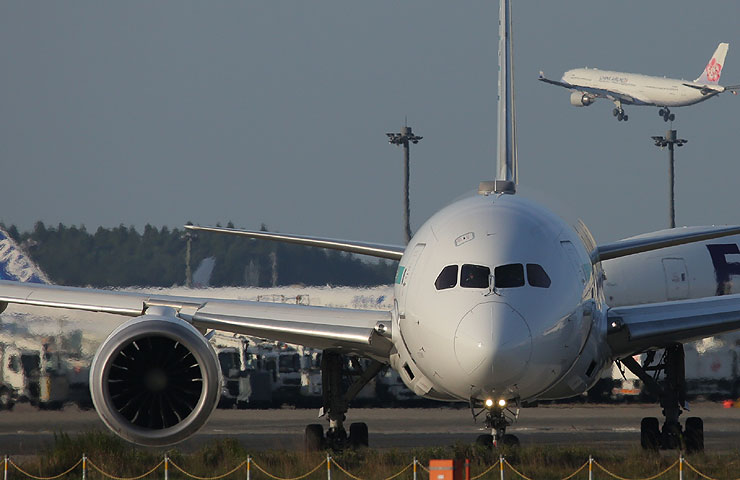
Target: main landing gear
(666,114)
(671,393)
(336,373)
(619,113)
(498,418)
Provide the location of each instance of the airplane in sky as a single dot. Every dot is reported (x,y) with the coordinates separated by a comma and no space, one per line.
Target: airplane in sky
(589,84)
(498,301)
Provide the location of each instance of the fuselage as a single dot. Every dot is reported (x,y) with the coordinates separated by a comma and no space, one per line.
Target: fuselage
(496,297)
(637,89)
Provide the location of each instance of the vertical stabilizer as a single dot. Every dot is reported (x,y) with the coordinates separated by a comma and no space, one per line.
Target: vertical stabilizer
(15,265)
(713,70)
(506,157)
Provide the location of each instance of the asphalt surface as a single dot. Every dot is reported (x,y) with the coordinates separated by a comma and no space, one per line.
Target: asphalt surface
(26,430)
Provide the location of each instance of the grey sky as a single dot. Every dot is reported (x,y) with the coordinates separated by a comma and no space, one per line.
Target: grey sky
(273,111)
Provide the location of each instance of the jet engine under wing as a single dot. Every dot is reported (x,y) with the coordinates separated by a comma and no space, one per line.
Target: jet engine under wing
(391,252)
(638,328)
(365,332)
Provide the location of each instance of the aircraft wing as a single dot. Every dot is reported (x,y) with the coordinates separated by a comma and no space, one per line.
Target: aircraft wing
(542,78)
(593,92)
(658,240)
(634,329)
(707,89)
(391,252)
(363,332)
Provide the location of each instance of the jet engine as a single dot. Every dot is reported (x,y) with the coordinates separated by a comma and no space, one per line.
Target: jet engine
(156,379)
(580,99)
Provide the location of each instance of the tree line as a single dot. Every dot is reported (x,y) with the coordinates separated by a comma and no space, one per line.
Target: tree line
(121,256)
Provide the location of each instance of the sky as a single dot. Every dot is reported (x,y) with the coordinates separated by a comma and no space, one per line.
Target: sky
(275,112)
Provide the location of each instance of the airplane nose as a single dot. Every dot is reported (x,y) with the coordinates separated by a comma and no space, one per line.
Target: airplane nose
(493,344)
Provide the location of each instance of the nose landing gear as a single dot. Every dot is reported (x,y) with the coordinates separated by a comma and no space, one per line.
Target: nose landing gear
(671,392)
(498,418)
(666,114)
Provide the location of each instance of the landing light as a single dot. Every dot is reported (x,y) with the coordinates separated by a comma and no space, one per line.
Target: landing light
(489,402)
(502,403)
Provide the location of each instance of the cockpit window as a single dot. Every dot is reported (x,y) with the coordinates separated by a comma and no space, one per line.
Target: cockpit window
(474,276)
(447,278)
(537,277)
(509,276)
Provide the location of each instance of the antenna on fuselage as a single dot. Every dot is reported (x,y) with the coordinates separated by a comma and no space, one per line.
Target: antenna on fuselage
(507,176)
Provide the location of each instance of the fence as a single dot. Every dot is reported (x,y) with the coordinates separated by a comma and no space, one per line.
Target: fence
(415,465)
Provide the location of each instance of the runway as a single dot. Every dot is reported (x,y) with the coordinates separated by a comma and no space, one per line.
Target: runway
(26,430)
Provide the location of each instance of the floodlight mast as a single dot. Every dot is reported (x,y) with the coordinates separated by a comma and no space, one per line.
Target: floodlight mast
(404,138)
(669,141)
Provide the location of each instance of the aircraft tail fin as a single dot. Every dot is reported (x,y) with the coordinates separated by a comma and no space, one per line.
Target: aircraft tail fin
(16,265)
(713,70)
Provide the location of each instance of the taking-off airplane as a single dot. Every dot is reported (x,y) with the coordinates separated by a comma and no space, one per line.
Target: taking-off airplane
(498,301)
(588,84)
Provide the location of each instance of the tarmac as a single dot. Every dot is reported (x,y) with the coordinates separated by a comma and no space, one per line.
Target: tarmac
(27,431)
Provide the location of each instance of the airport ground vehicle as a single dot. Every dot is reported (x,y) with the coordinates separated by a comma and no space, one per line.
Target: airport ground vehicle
(243,384)
(37,369)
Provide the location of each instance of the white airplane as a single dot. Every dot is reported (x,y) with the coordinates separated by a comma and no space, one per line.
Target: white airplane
(588,84)
(498,301)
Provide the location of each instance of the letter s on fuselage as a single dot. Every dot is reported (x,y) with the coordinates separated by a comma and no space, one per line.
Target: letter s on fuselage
(524,341)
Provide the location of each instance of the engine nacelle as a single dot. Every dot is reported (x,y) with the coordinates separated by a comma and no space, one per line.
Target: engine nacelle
(155,380)
(580,99)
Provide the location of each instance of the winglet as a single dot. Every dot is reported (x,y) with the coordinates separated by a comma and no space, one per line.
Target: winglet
(713,70)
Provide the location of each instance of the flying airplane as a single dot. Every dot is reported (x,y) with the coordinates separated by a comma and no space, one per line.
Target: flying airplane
(498,301)
(588,84)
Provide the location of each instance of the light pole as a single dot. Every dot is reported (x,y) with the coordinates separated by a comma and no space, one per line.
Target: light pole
(404,138)
(669,141)
(189,237)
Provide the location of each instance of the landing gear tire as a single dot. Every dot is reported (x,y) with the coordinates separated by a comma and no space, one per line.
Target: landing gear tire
(672,117)
(510,441)
(314,439)
(650,433)
(6,400)
(661,113)
(485,440)
(694,435)
(615,112)
(620,117)
(626,117)
(671,438)
(358,435)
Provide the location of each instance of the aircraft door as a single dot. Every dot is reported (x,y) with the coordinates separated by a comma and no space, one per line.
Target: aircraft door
(404,276)
(676,278)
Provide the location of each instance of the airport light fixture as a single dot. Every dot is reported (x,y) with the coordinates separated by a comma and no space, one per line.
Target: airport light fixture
(403,138)
(670,141)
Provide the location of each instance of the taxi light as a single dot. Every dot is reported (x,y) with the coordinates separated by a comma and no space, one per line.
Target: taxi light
(489,402)
(502,403)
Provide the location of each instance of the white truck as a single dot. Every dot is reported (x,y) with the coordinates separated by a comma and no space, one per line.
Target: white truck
(36,368)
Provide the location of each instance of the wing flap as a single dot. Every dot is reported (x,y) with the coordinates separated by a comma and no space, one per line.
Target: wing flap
(638,328)
(353,331)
